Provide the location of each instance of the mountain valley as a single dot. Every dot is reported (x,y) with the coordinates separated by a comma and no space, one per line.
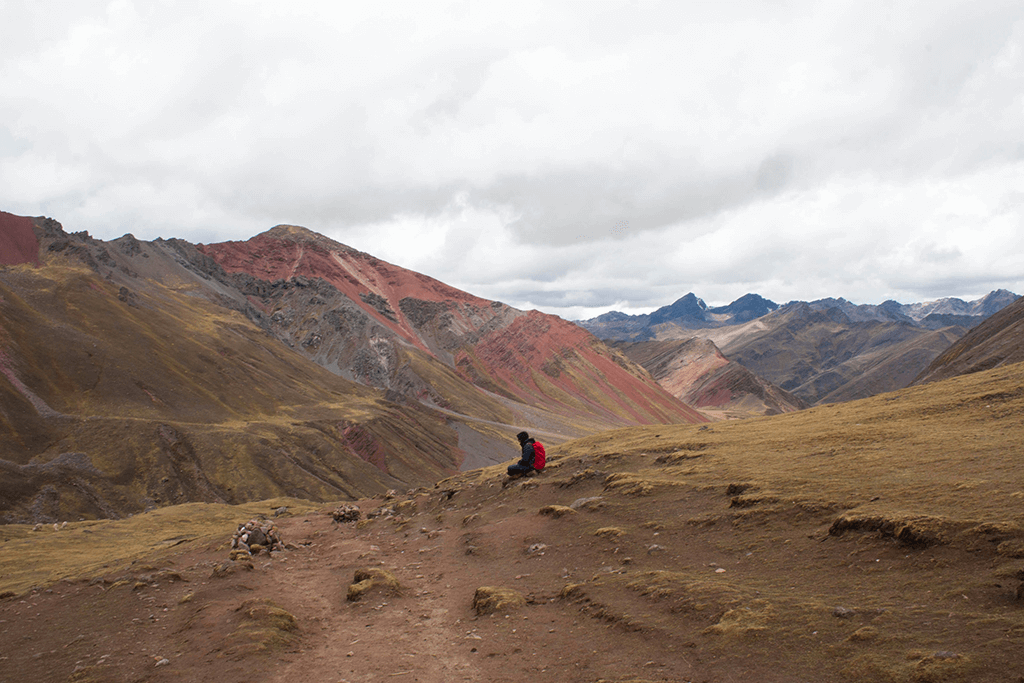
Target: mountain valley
(154,396)
(879,539)
(140,374)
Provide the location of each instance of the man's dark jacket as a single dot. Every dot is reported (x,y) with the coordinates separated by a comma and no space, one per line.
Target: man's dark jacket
(526,461)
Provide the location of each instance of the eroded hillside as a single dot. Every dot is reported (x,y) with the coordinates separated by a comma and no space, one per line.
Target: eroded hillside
(994,343)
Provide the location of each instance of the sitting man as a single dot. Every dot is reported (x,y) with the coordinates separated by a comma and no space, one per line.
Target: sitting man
(525,463)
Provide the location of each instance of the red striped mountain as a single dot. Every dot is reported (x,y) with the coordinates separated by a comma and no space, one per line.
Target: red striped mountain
(136,373)
(414,336)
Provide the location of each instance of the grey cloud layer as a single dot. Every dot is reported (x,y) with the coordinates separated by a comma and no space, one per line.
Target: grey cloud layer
(569,156)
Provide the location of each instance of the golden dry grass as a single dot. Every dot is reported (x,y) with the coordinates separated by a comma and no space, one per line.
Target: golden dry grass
(947,451)
(98,547)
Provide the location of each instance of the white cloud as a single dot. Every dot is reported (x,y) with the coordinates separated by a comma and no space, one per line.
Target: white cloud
(572,156)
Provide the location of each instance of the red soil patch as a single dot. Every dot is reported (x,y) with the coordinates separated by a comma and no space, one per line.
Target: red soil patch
(18,243)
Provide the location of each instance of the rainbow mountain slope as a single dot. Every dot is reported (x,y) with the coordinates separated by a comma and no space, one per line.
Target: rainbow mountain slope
(528,360)
(138,374)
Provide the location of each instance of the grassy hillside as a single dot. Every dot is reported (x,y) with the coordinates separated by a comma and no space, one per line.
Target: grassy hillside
(114,401)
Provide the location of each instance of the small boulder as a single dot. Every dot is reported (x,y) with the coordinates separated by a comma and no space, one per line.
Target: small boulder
(226,569)
(264,626)
(406,507)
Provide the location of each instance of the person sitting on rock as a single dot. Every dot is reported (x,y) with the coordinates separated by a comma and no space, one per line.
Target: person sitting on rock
(525,463)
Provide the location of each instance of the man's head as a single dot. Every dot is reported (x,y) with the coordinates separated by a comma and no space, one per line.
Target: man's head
(522,436)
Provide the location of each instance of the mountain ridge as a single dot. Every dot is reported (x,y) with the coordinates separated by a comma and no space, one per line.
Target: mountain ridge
(820,351)
(136,374)
(690,309)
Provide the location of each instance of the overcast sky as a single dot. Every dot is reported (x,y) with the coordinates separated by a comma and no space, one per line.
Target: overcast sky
(571,157)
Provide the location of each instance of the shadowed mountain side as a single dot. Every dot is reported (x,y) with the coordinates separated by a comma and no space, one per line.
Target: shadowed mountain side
(876,371)
(997,341)
(695,371)
(112,401)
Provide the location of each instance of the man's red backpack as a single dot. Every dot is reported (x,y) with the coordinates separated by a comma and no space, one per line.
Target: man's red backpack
(539,456)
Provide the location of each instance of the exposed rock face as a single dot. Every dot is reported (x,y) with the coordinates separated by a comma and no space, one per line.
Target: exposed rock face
(370,320)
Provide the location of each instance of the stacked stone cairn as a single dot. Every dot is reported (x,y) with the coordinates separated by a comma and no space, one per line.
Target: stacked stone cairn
(346,513)
(255,536)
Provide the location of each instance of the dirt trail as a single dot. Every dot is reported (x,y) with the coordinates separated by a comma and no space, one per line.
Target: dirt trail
(624,579)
